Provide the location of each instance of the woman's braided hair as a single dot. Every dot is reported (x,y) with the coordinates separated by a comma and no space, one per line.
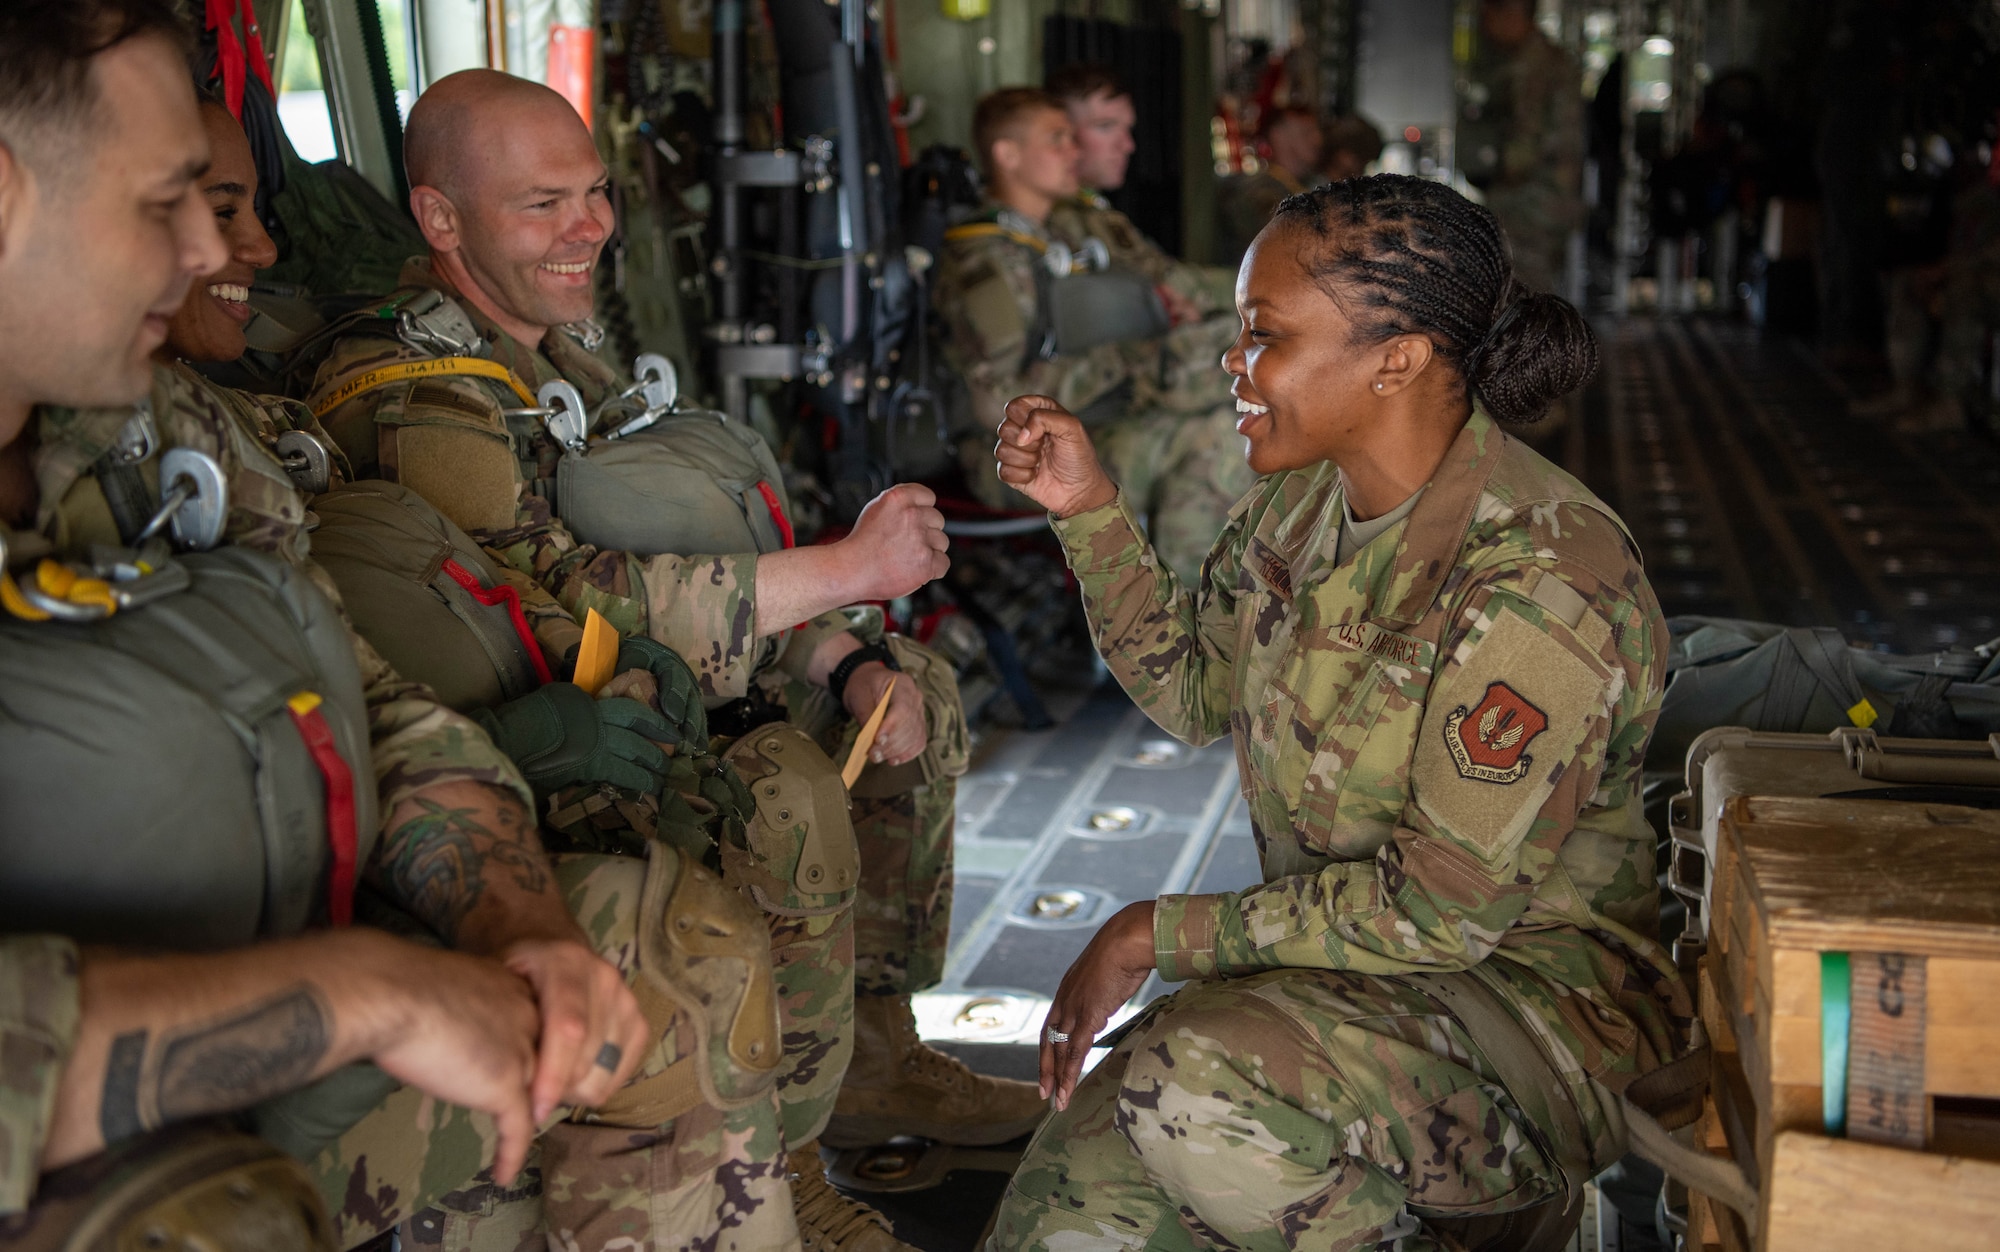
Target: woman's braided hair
(1410,256)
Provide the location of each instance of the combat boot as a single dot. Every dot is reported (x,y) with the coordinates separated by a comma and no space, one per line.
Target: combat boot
(830,1221)
(899,1085)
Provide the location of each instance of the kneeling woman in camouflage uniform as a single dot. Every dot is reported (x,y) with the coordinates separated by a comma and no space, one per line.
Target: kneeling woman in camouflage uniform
(1441,661)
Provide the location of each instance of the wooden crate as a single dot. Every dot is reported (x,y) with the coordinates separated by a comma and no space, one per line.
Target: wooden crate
(1798,877)
(1912,892)
(1837,1195)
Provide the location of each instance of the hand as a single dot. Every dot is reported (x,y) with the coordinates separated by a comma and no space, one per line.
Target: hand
(1180,309)
(467,1036)
(561,737)
(898,543)
(585,1006)
(1110,972)
(905,732)
(678,693)
(1044,454)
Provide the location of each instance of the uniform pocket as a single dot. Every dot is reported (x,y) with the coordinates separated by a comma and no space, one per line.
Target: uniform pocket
(1355,787)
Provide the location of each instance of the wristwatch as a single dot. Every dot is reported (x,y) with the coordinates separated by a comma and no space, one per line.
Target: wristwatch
(836,682)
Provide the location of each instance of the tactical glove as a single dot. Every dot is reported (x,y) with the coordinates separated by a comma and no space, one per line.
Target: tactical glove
(561,737)
(680,694)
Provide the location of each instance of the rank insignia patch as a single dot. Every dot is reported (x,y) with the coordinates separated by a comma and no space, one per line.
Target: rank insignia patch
(1489,742)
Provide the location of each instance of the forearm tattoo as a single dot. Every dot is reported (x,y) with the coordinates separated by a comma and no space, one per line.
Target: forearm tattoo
(211,1067)
(436,864)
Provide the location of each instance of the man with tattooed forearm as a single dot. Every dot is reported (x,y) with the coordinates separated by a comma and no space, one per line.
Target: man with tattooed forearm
(172,1037)
(197,755)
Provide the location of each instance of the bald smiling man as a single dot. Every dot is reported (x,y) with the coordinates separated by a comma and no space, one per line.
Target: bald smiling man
(515,210)
(512,198)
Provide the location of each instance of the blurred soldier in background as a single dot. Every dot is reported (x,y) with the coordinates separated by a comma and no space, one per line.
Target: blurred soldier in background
(1153,391)
(1102,116)
(1521,138)
(1352,145)
(1291,141)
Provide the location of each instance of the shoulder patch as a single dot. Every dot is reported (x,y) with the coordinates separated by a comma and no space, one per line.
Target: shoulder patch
(1489,742)
(1499,732)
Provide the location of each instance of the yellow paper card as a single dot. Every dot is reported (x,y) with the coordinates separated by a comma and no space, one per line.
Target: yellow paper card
(599,654)
(857,760)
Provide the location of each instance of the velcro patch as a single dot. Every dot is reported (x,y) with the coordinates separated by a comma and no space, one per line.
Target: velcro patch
(1497,731)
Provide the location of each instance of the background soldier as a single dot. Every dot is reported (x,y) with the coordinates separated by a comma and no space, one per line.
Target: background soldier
(1352,145)
(1291,140)
(1521,138)
(1159,404)
(1101,116)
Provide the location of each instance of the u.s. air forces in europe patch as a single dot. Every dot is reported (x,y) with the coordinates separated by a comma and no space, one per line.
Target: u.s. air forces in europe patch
(1489,741)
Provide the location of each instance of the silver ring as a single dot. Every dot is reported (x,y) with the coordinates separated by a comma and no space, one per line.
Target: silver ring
(1057,1036)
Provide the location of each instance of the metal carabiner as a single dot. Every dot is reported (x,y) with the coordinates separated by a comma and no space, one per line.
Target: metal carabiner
(568,421)
(659,381)
(659,385)
(137,439)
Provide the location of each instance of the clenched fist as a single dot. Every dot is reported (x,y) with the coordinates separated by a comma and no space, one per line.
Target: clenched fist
(898,543)
(1044,454)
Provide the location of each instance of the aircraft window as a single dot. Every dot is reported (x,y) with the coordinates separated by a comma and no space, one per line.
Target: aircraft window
(396,36)
(302,103)
(302,99)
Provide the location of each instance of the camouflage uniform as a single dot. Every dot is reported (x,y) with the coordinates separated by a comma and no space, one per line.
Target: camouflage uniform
(1159,410)
(1244,205)
(892,940)
(1521,142)
(708,1174)
(1210,288)
(1313,1089)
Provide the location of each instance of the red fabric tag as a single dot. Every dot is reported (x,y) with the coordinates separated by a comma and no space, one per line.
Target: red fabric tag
(341,836)
(777,514)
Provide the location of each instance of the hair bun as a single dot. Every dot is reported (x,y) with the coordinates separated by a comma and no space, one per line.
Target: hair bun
(1544,350)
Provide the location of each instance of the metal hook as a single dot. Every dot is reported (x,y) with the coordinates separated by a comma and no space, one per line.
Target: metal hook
(568,421)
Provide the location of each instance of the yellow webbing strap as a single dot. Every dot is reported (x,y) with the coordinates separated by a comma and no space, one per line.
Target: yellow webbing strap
(444,366)
(987,230)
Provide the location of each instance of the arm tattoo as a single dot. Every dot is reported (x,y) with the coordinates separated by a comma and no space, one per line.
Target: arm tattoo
(436,863)
(233,1062)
